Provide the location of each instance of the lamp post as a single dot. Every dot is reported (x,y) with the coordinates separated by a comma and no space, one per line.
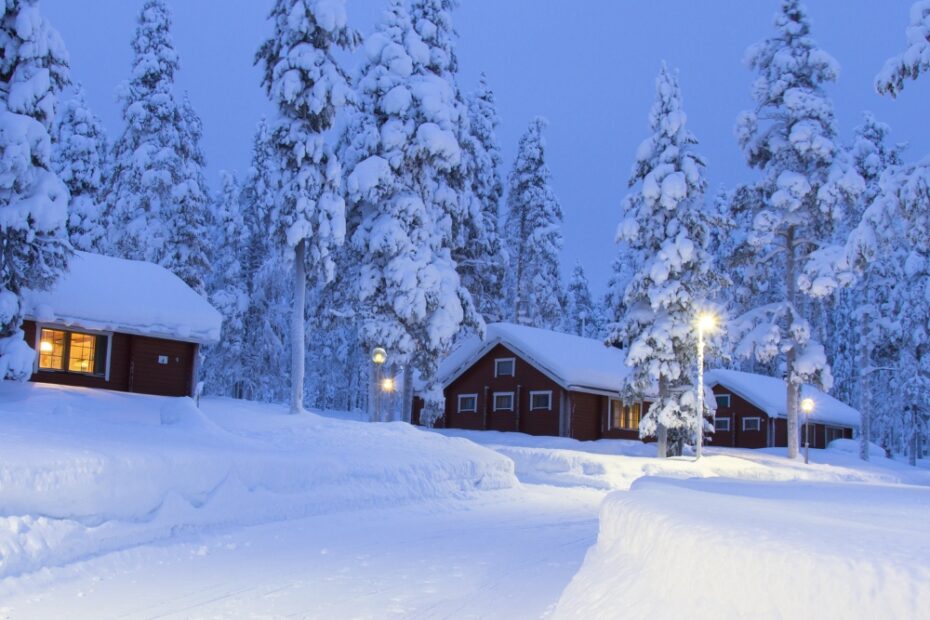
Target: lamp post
(807,406)
(706,322)
(378,358)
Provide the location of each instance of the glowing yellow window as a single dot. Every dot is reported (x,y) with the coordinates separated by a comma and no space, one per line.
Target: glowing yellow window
(52,349)
(81,352)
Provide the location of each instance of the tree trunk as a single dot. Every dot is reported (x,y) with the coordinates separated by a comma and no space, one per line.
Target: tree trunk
(793,388)
(297,330)
(865,392)
(661,430)
(407,395)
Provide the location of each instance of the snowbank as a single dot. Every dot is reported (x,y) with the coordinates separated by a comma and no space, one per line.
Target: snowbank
(88,471)
(615,464)
(738,549)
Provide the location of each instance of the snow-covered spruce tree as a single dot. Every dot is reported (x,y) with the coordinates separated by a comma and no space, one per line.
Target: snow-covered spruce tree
(666,224)
(34,245)
(401,149)
(265,335)
(223,367)
(79,156)
(144,159)
(187,251)
(304,80)
(900,213)
(482,260)
(790,139)
(582,315)
(533,231)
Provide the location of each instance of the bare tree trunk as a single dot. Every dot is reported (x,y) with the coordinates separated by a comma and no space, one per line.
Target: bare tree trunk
(297,330)
(793,388)
(865,392)
(661,430)
(407,395)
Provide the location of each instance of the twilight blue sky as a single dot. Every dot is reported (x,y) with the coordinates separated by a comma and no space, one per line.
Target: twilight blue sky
(587,65)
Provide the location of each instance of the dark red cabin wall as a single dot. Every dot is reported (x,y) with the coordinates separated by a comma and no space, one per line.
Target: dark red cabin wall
(585,411)
(740,408)
(479,379)
(134,366)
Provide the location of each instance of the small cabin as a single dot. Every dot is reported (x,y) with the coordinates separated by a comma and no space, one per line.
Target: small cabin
(539,382)
(752,412)
(119,324)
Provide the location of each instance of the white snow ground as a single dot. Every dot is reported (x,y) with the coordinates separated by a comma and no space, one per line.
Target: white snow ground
(125,506)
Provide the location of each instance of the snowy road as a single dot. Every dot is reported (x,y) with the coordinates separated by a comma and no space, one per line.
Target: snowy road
(507,555)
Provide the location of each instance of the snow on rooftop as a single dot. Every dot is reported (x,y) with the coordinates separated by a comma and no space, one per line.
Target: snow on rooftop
(768,394)
(135,297)
(573,361)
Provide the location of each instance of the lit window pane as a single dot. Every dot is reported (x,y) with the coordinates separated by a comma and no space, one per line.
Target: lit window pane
(52,349)
(82,354)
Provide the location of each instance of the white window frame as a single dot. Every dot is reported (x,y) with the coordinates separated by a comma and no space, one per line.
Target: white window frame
(723,419)
(752,430)
(726,396)
(494,401)
(64,328)
(459,407)
(539,393)
(513,366)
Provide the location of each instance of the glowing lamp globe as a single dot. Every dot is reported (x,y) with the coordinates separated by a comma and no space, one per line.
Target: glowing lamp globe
(378,355)
(707,322)
(387,384)
(46,347)
(807,406)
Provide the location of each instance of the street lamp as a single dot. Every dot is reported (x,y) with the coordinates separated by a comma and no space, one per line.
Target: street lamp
(706,322)
(807,406)
(387,385)
(378,358)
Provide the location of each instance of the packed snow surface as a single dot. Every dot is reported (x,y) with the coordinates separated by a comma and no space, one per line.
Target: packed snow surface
(768,394)
(135,297)
(572,361)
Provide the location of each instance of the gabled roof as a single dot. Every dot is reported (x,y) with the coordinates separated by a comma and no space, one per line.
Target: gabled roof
(134,297)
(768,394)
(575,363)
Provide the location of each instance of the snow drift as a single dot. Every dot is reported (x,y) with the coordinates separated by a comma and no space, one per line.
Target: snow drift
(89,471)
(738,549)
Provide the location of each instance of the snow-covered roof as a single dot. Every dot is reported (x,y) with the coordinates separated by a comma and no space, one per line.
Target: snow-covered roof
(768,394)
(575,363)
(134,297)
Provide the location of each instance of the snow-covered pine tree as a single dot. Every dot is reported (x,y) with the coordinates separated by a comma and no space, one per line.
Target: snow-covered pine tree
(265,335)
(79,157)
(187,251)
(582,315)
(223,367)
(533,230)
(482,260)
(399,150)
(667,227)
(903,199)
(790,138)
(303,79)
(145,157)
(34,245)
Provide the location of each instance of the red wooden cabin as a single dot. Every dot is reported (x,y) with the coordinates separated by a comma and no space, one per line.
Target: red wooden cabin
(120,325)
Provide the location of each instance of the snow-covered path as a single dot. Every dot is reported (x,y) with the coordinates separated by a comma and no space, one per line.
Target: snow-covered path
(508,555)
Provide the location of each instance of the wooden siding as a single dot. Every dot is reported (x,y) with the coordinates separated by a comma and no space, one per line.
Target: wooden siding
(739,409)
(479,379)
(585,415)
(134,365)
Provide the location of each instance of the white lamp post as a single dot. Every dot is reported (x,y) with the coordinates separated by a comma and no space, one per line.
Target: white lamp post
(706,322)
(378,358)
(807,406)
